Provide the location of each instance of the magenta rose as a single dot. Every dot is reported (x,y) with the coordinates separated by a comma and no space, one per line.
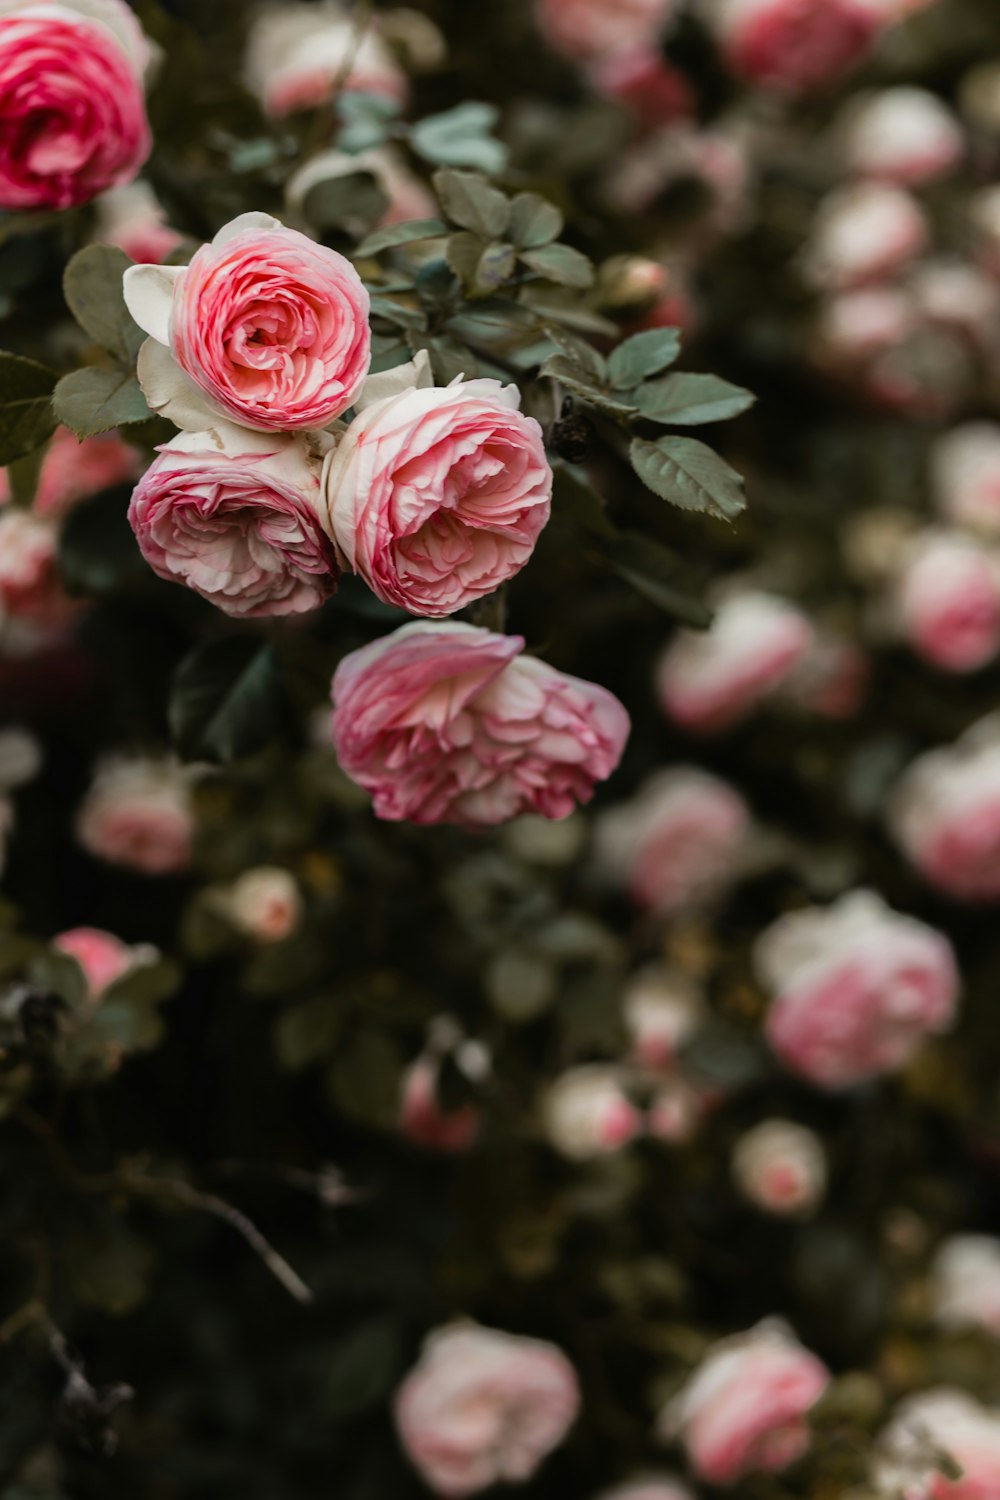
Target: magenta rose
(856,988)
(233,515)
(269,326)
(945,814)
(796,45)
(451,724)
(72,109)
(436,495)
(482,1406)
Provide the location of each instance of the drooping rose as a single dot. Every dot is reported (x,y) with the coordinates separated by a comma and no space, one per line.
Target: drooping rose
(448,723)
(903,135)
(856,988)
(965,469)
(138,813)
(965,1283)
(297,55)
(482,1406)
(134,219)
(946,601)
(745,1409)
(587,1113)
(935,1422)
(234,515)
(265,903)
(780,1167)
(594,29)
(863,233)
(795,45)
(270,327)
(103,957)
(437,495)
(72,111)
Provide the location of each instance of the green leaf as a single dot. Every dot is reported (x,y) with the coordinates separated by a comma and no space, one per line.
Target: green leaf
(365,1366)
(463,253)
(496,265)
(460,138)
(559,367)
(469,201)
(575,500)
(92,401)
(579,351)
(400,234)
(364,1078)
(692,400)
(398,313)
(560,263)
(26,414)
(227,700)
(654,573)
(110,1270)
(306,1033)
(689,474)
(92,286)
(534,221)
(354,203)
(643,354)
(23,476)
(98,554)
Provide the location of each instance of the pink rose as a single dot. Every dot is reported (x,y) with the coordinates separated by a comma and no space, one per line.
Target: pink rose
(676,1110)
(965,468)
(644,82)
(965,1283)
(661,1009)
(103,957)
(863,233)
(679,843)
(71,101)
(265,904)
(133,218)
(795,45)
(940,1421)
(903,135)
(856,988)
(298,54)
(234,515)
(422,1117)
(450,724)
(587,1113)
(953,295)
(984,213)
(72,470)
(269,326)
(29,586)
(482,1406)
(708,680)
(945,814)
(780,1167)
(831,680)
(946,601)
(436,495)
(654,1487)
(138,813)
(595,28)
(745,1409)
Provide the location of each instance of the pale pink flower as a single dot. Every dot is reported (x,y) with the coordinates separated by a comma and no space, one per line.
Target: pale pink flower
(422,1117)
(745,1409)
(595,28)
(946,601)
(965,1283)
(265,903)
(72,470)
(587,1112)
(676,1110)
(297,54)
(482,1406)
(448,723)
(780,1167)
(856,987)
(103,957)
(832,678)
(134,219)
(795,45)
(138,813)
(984,214)
(661,1009)
(858,324)
(923,1427)
(965,469)
(29,585)
(864,233)
(904,135)
(650,1487)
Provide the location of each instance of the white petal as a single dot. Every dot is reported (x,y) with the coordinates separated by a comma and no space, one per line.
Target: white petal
(416,374)
(241,224)
(149,297)
(169,391)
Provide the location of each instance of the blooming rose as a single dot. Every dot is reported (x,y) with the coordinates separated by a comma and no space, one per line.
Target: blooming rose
(269,326)
(945,814)
(940,1421)
(946,601)
(965,1283)
(138,813)
(72,470)
(72,112)
(708,680)
(593,28)
(297,54)
(587,1112)
(133,218)
(902,135)
(662,1009)
(265,903)
(424,1120)
(863,233)
(103,957)
(856,988)
(795,45)
(450,724)
(643,81)
(780,1167)
(436,495)
(482,1406)
(745,1409)
(965,468)
(654,1487)
(831,679)
(234,515)
(677,845)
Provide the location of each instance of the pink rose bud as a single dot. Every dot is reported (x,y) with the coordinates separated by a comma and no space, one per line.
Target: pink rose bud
(965,1283)
(29,584)
(71,101)
(965,470)
(855,326)
(945,814)
(448,723)
(946,601)
(71,471)
(678,845)
(265,904)
(270,327)
(103,957)
(138,813)
(903,135)
(422,1117)
(708,680)
(654,1487)
(908,1459)
(795,45)
(587,1112)
(662,1009)
(954,295)
(856,987)
(483,1407)
(298,56)
(745,1409)
(407,195)
(596,29)
(780,1167)
(235,515)
(437,495)
(133,218)
(863,233)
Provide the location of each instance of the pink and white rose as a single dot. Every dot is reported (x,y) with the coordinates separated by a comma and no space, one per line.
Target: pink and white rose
(745,1409)
(103,957)
(437,495)
(423,1118)
(138,813)
(134,219)
(29,582)
(297,54)
(965,1283)
(235,515)
(795,45)
(482,1407)
(863,233)
(939,1421)
(946,601)
(448,723)
(904,135)
(856,988)
(270,328)
(594,29)
(72,470)
(662,1009)
(265,903)
(587,1112)
(965,470)
(780,1167)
